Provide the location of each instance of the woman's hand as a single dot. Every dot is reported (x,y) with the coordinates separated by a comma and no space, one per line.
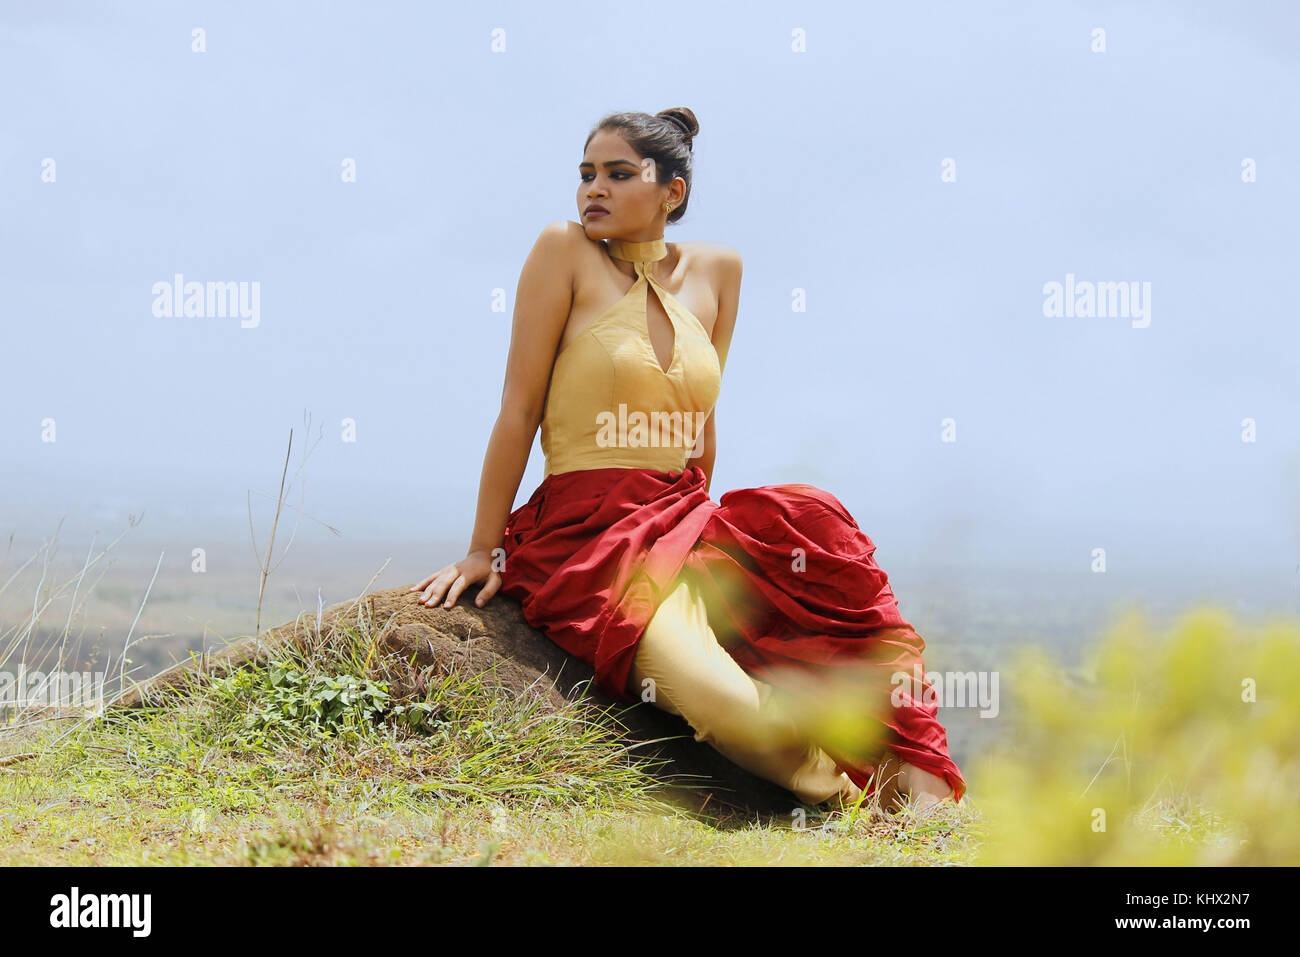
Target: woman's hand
(476,566)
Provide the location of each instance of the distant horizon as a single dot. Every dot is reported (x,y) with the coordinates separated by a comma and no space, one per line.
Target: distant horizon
(376,512)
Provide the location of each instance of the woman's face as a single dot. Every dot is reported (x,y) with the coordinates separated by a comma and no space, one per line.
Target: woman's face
(612,176)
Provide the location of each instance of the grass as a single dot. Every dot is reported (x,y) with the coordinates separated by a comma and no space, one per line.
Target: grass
(309,762)
(209,778)
(270,767)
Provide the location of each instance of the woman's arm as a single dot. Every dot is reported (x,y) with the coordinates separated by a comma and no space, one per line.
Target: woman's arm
(542,303)
(727,281)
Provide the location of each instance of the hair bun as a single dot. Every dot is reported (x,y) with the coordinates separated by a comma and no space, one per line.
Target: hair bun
(683,119)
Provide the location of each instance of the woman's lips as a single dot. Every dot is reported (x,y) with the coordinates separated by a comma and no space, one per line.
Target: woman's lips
(596,213)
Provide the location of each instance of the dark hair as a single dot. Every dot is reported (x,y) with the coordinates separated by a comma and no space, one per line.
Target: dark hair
(664,138)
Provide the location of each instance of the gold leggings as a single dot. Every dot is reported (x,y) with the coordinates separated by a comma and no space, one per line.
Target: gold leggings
(693,676)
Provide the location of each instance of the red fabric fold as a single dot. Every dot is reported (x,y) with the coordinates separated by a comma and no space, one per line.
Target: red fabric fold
(787,575)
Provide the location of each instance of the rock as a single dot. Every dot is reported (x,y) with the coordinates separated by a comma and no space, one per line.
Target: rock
(495,642)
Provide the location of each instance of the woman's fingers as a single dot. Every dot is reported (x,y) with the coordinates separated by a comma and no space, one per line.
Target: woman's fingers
(488,590)
(437,585)
(457,587)
(424,583)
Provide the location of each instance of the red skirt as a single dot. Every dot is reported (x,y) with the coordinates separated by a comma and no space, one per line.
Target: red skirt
(786,573)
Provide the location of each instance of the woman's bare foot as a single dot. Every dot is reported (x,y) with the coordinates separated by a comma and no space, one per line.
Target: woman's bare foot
(925,788)
(899,783)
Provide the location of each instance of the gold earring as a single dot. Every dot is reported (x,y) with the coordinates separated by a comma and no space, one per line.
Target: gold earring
(667,208)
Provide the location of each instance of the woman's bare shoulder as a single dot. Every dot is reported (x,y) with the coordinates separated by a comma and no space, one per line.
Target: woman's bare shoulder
(560,232)
(564,242)
(720,260)
(573,233)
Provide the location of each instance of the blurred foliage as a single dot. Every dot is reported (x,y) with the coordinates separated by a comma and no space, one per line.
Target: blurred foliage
(1180,748)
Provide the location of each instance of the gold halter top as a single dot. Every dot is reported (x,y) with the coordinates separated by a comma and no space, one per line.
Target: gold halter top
(610,404)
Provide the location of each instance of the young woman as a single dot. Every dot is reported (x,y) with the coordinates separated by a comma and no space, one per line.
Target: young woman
(737,614)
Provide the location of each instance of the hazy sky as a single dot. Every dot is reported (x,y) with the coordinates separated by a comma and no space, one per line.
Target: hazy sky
(825,130)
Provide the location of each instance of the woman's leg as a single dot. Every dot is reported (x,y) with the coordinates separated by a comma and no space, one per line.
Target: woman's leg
(681,668)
